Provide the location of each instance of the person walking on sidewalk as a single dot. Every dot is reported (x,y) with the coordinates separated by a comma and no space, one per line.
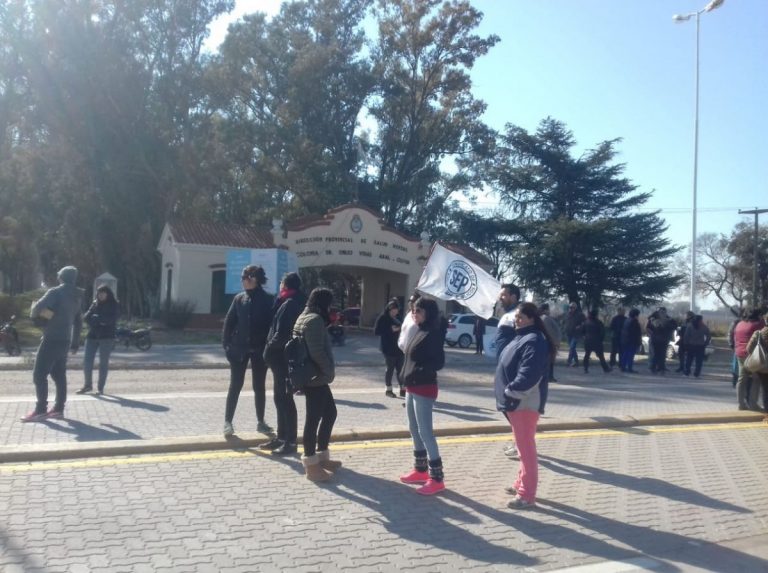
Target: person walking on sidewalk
(631,339)
(102,319)
(424,357)
(574,320)
(747,388)
(594,334)
(244,337)
(734,360)
(387,327)
(288,306)
(760,337)
(521,392)
(60,307)
(617,324)
(320,405)
(695,339)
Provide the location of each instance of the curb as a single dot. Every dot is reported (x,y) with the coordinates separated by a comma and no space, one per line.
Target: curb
(68,451)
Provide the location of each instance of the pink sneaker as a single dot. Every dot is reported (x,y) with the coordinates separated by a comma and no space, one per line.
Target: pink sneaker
(415,476)
(54,414)
(431,487)
(34,416)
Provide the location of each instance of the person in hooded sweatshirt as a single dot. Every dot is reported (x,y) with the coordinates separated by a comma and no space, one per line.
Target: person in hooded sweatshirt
(61,307)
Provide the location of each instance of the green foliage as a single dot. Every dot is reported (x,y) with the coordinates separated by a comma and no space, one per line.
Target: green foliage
(178,314)
(580,233)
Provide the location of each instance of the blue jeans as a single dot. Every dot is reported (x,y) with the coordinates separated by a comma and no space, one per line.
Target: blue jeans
(627,362)
(419,410)
(573,356)
(104,346)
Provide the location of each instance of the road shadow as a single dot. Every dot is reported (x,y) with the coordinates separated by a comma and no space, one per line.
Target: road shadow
(87,433)
(292,461)
(543,529)
(364,405)
(468,413)
(650,486)
(584,538)
(128,403)
(429,521)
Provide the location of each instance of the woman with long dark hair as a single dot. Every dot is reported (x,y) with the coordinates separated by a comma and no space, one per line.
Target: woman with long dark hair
(424,356)
(521,384)
(320,405)
(102,319)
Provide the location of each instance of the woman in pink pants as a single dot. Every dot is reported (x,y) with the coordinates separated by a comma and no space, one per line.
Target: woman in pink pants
(521,384)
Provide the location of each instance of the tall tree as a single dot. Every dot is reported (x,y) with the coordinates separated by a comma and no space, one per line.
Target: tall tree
(112,87)
(741,245)
(584,236)
(424,110)
(290,91)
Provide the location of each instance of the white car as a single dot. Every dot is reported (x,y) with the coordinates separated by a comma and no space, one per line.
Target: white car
(460,327)
(672,348)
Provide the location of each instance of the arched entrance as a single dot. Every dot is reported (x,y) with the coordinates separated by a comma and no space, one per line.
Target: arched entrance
(353,240)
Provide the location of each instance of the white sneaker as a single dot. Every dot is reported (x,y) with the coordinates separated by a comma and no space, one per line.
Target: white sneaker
(228,429)
(511,453)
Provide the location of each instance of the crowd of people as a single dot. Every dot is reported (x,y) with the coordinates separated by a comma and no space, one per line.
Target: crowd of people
(258,327)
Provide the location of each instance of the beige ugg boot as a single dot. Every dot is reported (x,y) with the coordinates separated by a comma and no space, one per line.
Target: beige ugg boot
(326,462)
(315,471)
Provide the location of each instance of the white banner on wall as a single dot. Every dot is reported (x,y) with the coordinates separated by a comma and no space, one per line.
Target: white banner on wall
(275,262)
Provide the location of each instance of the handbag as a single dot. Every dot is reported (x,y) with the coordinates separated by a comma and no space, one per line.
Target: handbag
(757,361)
(300,367)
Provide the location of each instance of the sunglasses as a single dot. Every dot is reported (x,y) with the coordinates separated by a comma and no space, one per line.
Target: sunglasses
(247,277)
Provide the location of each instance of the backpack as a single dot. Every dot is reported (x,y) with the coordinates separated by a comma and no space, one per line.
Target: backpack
(299,362)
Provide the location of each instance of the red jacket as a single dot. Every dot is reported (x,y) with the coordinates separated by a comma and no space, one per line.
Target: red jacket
(741,335)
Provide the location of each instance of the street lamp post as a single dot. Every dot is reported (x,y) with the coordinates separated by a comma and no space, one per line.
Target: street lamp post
(683,18)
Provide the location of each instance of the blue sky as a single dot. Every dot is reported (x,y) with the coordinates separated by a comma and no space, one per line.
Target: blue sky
(623,68)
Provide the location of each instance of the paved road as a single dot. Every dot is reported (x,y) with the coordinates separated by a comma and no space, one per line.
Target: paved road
(656,499)
(151,404)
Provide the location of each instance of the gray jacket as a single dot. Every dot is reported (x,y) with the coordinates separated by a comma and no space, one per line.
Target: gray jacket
(312,327)
(65,302)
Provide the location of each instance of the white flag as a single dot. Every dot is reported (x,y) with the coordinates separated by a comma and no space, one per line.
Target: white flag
(449,276)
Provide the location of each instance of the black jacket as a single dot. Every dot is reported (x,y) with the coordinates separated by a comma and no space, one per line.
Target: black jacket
(424,356)
(284,318)
(617,325)
(631,333)
(102,319)
(594,333)
(247,324)
(383,328)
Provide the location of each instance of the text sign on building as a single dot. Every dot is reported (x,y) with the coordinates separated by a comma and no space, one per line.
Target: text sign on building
(275,262)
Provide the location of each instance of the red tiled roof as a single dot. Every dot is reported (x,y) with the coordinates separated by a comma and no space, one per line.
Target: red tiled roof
(221,234)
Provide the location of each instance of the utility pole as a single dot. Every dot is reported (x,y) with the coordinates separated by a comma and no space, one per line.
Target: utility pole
(754,212)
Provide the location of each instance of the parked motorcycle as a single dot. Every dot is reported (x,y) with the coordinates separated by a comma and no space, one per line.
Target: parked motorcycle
(9,337)
(141,338)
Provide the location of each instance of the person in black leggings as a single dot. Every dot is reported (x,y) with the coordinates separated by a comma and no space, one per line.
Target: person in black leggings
(320,405)
(289,304)
(244,336)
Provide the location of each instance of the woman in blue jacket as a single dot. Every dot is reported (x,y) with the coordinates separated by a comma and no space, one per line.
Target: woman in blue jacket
(521,381)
